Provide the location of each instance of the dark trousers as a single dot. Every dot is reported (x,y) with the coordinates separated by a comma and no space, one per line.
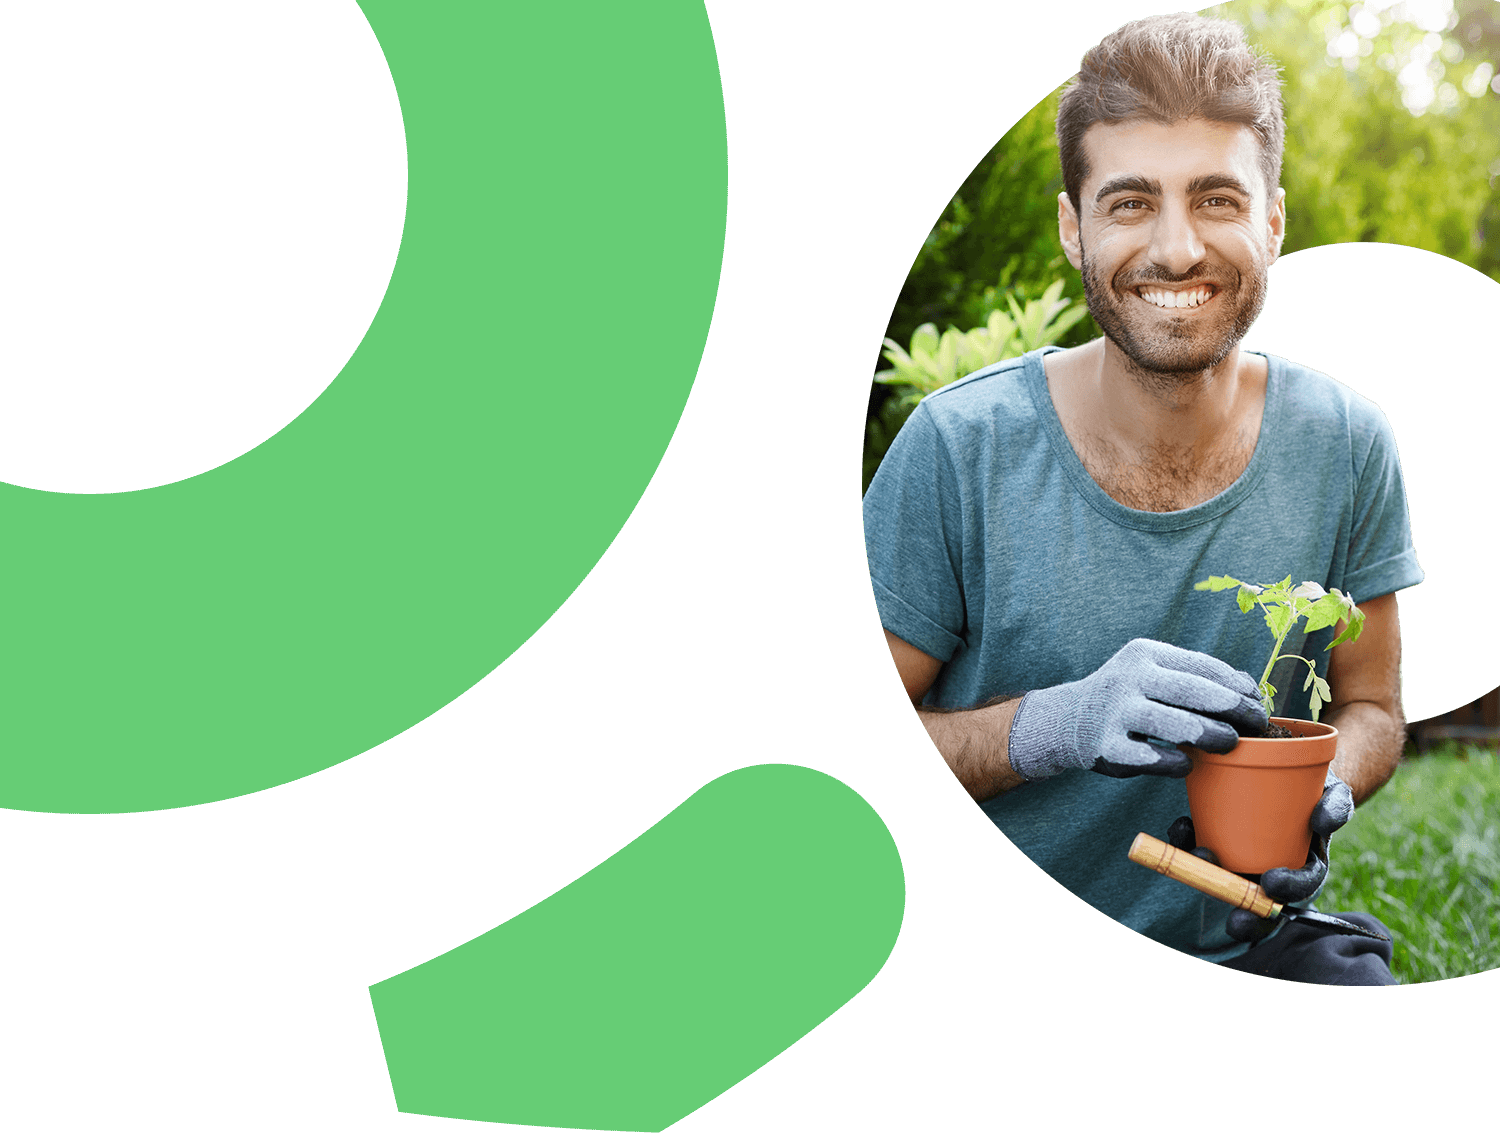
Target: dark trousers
(1304,952)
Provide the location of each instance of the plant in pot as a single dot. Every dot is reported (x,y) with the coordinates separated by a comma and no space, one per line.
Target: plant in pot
(1251,805)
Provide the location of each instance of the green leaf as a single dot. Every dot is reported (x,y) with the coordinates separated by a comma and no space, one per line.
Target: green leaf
(1016,313)
(1217,583)
(1320,694)
(1279,619)
(1326,611)
(1351,631)
(1061,325)
(1052,295)
(1279,593)
(1268,697)
(947,357)
(924,338)
(904,363)
(1030,323)
(894,350)
(1001,329)
(1246,599)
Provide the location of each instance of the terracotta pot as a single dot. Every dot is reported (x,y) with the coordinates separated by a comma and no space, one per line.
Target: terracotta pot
(1251,806)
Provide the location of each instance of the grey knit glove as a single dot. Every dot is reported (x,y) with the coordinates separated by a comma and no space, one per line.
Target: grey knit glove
(1124,718)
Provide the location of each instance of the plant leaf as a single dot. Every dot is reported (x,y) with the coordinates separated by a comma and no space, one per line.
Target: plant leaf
(1325,612)
(1320,694)
(1219,583)
(1268,697)
(1061,325)
(894,350)
(1279,618)
(1351,631)
(925,338)
(1052,295)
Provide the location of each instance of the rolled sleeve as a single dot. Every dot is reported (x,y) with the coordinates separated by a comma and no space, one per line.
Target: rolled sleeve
(913,540)
(1381,559)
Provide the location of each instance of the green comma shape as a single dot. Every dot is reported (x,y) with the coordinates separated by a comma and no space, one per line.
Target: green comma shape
(407,532)
(663,976)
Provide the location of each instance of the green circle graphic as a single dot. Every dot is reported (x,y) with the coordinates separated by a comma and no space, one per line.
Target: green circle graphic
(392,545)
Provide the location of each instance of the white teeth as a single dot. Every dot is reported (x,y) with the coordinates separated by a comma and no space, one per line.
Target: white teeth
(1176,298)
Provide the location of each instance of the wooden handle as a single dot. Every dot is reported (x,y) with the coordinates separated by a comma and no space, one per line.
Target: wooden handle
(1202,875)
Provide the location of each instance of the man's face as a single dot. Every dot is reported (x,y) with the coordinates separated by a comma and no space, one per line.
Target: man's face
(1173,236)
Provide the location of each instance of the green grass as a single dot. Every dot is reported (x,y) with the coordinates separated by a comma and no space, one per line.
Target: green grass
(1423,855)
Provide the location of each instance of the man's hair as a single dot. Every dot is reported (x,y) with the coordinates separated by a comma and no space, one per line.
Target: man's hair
(1165,69)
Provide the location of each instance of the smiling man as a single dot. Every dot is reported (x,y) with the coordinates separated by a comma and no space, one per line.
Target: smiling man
(1164,409)
(1035,532)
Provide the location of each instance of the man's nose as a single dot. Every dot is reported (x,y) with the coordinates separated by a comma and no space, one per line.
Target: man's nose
(1175,243)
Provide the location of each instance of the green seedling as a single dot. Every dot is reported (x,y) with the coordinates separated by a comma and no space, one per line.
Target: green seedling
(1282,605)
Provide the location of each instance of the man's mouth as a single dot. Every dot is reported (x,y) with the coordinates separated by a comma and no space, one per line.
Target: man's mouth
(1187,297)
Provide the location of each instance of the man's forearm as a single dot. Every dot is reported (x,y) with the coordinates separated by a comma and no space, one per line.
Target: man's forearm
(1371,737)
(975,743)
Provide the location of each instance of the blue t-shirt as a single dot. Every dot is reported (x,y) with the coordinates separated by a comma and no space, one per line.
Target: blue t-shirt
(993,550)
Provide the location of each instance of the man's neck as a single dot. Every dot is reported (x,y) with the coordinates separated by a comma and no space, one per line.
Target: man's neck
(1148,409)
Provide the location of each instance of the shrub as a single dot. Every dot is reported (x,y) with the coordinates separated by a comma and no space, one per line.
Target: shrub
(935,360)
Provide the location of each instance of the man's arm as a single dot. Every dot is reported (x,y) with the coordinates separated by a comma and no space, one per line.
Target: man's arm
(1365,677)
(974,742)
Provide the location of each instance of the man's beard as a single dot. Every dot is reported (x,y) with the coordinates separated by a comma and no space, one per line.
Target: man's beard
(1179,349)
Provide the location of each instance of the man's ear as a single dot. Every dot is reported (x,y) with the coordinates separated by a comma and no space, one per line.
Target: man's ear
(1067,230)
(1276,224)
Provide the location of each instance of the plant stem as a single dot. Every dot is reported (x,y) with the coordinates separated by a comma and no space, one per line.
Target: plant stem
(1276,649)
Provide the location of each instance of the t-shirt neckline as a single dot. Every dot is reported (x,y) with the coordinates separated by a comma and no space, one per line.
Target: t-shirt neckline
(1117,513)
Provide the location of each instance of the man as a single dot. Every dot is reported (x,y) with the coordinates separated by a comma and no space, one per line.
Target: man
(1035,532)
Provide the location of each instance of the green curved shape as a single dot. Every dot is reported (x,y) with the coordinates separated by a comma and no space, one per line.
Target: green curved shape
(393,544)
(663,976)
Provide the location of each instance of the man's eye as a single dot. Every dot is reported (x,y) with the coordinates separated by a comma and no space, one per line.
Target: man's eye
(1131,204)
(1220,203)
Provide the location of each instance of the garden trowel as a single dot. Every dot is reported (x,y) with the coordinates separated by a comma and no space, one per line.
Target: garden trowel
(1239,892)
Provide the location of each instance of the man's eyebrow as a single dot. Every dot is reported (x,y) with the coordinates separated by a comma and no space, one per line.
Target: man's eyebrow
(1129,183)
(1135,183)
(1217,181)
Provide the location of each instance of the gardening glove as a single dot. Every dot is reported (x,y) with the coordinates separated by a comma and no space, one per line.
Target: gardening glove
(1284,884)
(1123,719)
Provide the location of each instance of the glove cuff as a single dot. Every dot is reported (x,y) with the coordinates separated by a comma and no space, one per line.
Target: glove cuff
(1042,741)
